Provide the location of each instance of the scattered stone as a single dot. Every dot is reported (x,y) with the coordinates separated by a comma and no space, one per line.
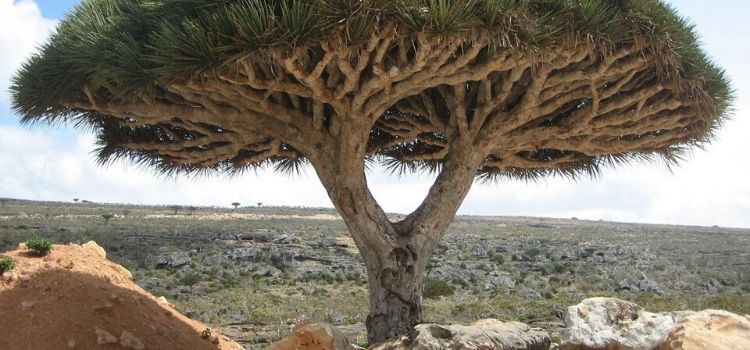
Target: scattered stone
(27,305)
(9,277)
(710,329)
(169,260)
(286,239)
(128,340)
(214,339)
(72,343)
(642,285)
(164,302)
(66,263)
(104,307)
(313,336)
(486,334)
(613,324)
(499,279)
(104,337)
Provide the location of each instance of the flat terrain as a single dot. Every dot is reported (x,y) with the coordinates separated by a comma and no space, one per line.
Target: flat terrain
(256,272)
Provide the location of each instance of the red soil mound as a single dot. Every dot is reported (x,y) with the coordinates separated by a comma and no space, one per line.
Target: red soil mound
(75,298)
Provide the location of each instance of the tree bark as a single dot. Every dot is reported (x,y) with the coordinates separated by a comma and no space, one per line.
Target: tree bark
(395,283)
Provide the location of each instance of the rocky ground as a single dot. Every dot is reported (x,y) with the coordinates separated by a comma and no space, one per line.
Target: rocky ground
(257,272)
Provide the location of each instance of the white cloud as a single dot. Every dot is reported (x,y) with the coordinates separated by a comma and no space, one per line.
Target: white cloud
(22,30)
(61,173)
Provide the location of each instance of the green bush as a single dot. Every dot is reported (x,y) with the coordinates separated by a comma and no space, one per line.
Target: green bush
(6,264)
(190,279)
(498,259)
(39,246)
(434,288)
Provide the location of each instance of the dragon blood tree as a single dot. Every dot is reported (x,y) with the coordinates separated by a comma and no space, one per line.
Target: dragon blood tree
(472,89)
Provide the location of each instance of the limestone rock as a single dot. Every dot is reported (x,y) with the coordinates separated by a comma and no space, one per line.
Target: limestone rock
(710,329)
(313,336)
(482,335)
(612,324)
(95,248)
(128,340)
(104,337)
(27,305)
(66,263)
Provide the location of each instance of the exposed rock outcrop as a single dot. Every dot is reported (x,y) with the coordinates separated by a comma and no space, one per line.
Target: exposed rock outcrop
(482,335)
(313,336)
(75,298)
(710,329)
(612,324)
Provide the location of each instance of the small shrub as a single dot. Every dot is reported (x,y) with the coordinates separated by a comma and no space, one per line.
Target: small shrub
(6,264)
(39,246)
(206,333)
(498,259)
(533,252)
(484,267)
(190,279)
(434,288)
(107,217)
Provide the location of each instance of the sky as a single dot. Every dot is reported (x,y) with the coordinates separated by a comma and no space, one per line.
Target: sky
(712,187)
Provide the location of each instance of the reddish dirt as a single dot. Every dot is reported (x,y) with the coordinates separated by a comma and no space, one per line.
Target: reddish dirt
(75,298)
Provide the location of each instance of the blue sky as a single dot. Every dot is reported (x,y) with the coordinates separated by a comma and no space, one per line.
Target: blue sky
(709,188)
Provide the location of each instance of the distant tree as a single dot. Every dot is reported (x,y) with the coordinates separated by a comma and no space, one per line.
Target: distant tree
(236,205)
(3,201)
(125,213)
(107,217)
(260,204)
(76,200)
(467,90)
(175,208)
(85,202)
(191,210)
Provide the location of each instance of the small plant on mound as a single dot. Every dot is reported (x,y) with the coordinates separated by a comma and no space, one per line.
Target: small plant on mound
(39,246)
(6,264)
(206,333)
(434,288)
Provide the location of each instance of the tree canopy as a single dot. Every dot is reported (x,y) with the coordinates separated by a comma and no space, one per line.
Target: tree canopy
(544,86)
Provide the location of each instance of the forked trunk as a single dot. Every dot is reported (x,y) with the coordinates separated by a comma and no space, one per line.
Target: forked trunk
(396,254)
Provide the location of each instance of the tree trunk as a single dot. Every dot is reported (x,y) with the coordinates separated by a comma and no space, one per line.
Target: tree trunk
(395,282)
(396,254)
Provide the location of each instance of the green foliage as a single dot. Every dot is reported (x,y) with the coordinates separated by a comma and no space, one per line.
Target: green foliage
(190,279)
(533,252)
(6,264)
(434,288)
(137,45)
(39,246)
(498,258)
(107,217)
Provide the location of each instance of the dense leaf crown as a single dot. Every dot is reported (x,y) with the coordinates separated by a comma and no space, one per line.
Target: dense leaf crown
(127,50)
